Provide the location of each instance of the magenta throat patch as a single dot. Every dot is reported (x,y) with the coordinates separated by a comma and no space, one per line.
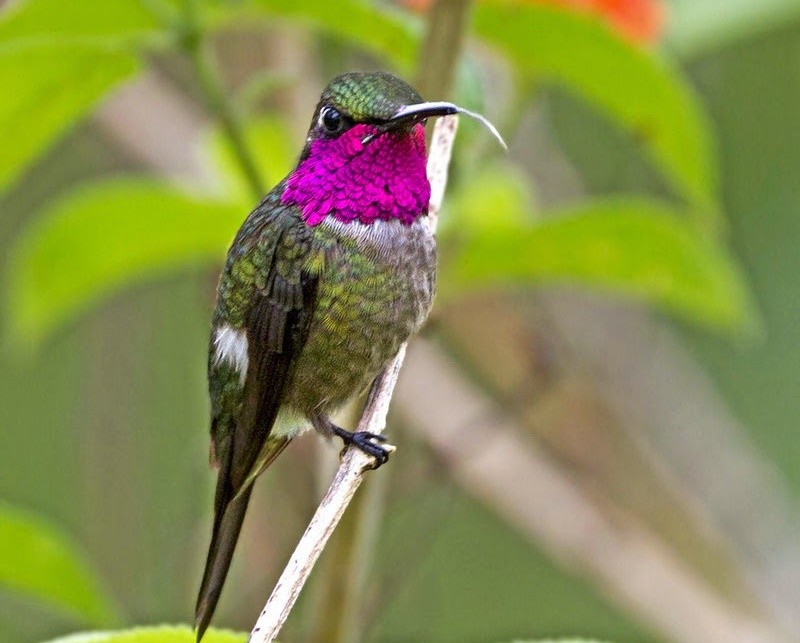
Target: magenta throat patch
(343,178)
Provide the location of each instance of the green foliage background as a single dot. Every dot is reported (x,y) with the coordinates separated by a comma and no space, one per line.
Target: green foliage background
(688,166)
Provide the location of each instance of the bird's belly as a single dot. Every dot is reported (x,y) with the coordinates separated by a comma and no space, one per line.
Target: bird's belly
(366,308)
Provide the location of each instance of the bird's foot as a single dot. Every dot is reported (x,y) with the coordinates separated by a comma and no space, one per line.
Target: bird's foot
(373,444)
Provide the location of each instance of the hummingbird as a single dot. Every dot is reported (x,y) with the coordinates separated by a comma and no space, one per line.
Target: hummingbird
(331,272)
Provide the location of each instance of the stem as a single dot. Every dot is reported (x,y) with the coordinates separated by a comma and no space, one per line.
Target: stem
(339,616)
(444,40)
(355,462)
(352,617)
(333,574)
(195,45)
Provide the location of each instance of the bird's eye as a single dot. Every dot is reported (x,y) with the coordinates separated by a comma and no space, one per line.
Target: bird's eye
(330,120)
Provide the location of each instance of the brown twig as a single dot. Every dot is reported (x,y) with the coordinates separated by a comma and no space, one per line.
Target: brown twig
(355,462)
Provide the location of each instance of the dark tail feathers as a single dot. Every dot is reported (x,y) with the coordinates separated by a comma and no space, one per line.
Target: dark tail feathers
(223,541)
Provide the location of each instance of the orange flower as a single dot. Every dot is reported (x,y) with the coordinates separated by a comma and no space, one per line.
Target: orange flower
(417,6)
(640,20)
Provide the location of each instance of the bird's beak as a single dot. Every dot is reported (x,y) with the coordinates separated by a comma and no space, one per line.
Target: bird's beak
(420,111)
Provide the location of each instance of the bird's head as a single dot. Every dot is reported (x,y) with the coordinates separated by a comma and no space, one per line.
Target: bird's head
(378,102)
(364,158)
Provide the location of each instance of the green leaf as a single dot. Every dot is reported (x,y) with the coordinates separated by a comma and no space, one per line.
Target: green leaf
(156,634)
(380,30)
(103,238)
(274,154)
(635,87)
(50,21)
(498,196)
(698,27)
(38,561)
(46,90)
(634,248)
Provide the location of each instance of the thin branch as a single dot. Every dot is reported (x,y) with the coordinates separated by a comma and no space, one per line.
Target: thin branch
(196,46)
(355,462)
(444,133)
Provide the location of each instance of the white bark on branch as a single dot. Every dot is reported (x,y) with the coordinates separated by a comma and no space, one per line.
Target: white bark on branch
(355,462)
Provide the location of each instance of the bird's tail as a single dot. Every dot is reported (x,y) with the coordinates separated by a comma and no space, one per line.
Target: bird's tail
(227,524)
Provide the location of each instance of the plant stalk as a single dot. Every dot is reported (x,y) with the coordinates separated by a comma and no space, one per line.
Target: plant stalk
(448,23)
(196,46)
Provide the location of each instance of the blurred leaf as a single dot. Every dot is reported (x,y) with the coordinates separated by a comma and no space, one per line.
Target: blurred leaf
(698,27)
(561,641)
(636,248)
(103,238)
(38,561)
(47,89)
(381,30)
(157,634)
(636,88)
(274,153)
(49,21)
(498,196)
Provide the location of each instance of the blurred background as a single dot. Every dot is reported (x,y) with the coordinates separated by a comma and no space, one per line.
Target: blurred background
(597,429)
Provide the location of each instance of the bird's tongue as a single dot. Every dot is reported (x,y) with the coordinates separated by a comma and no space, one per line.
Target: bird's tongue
(420,111)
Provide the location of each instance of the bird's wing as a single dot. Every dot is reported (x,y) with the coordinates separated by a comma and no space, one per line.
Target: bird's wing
(267,293)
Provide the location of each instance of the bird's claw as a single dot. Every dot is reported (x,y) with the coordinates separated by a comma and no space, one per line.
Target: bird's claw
(370,443)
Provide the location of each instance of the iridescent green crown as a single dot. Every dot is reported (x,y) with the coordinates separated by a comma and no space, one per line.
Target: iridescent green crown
(366,96)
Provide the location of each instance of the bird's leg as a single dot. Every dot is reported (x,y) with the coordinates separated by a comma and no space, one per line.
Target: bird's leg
(369,443)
